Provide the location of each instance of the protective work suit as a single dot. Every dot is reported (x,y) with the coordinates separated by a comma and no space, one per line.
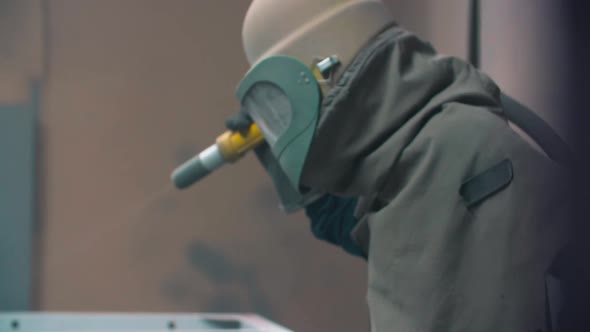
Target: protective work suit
(410,163)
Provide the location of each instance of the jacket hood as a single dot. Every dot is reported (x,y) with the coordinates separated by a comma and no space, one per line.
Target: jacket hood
(392,88)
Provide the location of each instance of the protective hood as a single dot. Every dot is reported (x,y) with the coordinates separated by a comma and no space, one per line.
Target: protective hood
(391,89)
(459,217)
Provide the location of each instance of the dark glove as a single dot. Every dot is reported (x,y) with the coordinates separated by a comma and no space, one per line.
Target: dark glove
(332,219)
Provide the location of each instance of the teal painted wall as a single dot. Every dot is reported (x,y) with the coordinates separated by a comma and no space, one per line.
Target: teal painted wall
(17,203)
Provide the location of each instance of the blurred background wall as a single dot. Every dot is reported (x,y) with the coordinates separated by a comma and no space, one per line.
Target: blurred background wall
(21,69)
(131,88)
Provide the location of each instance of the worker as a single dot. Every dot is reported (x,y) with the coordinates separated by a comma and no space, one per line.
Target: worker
(408,160)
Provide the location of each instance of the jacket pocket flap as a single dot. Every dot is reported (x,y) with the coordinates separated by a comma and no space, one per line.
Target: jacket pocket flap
(487,183)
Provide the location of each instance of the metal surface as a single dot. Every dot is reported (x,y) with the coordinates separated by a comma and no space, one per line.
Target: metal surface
(326,65)
(212,158)
(17,203)
(95,322)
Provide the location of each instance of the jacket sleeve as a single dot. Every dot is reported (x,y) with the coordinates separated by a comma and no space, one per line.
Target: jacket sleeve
(332,220)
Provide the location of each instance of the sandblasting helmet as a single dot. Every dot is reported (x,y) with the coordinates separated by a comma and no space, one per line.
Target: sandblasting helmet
(294,48)
(284,42)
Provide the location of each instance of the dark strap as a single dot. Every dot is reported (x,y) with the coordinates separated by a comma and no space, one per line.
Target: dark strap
(538,130)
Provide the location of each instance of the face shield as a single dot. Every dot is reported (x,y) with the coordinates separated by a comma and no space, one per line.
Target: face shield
(283,97)
(270,109)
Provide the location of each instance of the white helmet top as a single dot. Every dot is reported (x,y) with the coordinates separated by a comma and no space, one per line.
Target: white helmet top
(309,29)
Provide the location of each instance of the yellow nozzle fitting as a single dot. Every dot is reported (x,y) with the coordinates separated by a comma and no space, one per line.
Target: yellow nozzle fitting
(317,74)
(233,145)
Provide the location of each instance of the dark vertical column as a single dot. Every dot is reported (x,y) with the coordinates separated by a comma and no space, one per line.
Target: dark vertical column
(576,266)
(474,42)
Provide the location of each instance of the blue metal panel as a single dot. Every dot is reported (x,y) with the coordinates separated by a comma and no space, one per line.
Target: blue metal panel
(17,203)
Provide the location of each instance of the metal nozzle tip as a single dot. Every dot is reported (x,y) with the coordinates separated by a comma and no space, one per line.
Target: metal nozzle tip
(188,173)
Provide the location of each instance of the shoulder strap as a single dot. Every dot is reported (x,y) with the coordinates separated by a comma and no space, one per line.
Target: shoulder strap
(538,130)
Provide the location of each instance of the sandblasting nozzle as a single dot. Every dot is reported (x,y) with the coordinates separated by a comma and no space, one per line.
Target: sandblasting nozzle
(229,147)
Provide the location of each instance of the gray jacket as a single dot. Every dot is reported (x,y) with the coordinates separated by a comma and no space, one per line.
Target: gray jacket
(460,217)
